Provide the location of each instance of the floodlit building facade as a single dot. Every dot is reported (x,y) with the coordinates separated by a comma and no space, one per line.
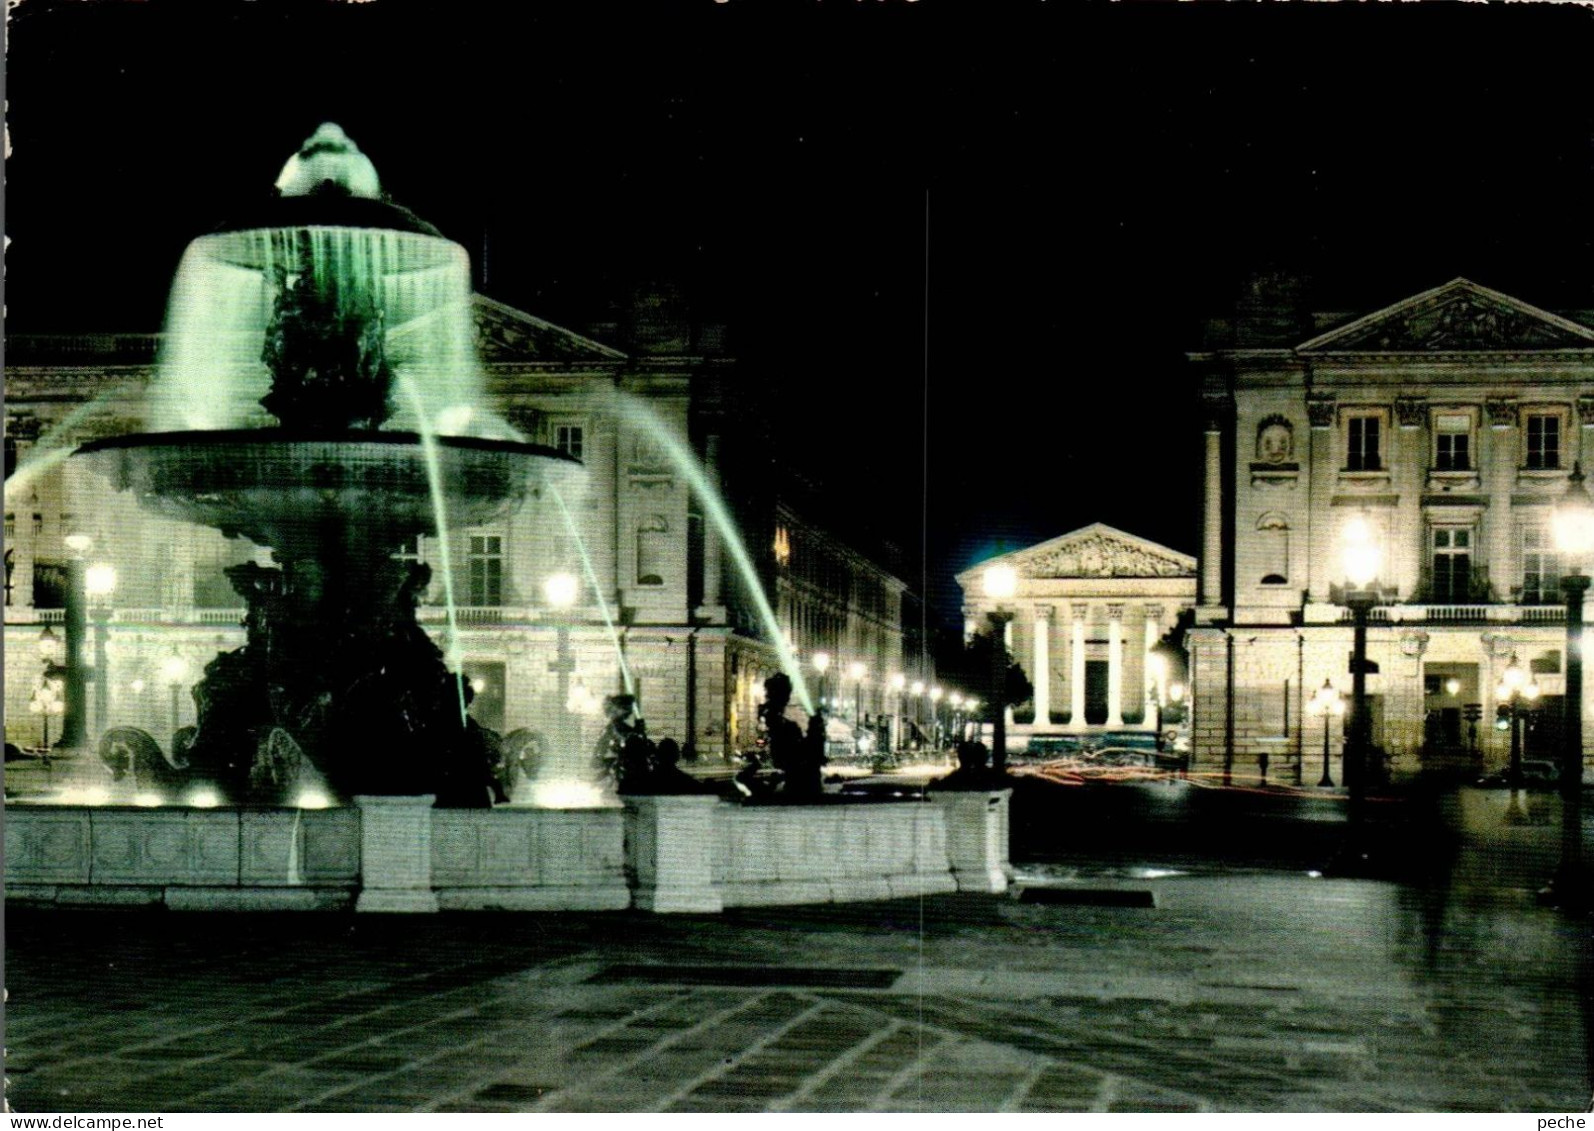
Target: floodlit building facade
(1444,427)
(1090,608)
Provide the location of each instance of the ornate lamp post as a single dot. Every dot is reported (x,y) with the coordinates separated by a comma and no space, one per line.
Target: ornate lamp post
(999,583)
(174,671)
(1330,704)
(856,672)
(1157,670)
(100,583)
(955,701)
(1361,561)
(917,691)
(821,665)
(898,681)
(560,590)
(1574,538)
(1514,690)
(48,697)
(73,724)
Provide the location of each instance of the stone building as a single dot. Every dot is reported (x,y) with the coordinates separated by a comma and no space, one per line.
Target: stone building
(1446,426)
(653,557)
(1089,609)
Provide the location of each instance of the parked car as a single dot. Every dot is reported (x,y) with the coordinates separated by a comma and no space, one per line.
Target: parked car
(1536,774)
(1129,739)
(1051,747)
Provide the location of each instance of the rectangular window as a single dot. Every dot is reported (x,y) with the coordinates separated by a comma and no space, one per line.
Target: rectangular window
(1541,567)
(1544,442)
(1452,565)
(486,564)
(1362,450)
(1453,443)
(568,438)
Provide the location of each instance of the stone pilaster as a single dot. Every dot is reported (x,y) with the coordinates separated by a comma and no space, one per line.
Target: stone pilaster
(1323,475)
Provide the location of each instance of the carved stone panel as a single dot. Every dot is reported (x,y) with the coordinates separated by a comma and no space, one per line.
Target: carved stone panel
(1320,409)
(1098,555)
(1411,411)
(1502,412)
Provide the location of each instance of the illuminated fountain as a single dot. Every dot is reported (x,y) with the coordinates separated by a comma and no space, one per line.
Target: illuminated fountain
(319,388)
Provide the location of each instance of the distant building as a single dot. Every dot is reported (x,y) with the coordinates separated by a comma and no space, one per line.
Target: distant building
(694,641)
(1447,425)
(1090,607)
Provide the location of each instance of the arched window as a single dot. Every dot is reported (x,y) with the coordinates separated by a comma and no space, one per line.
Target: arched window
(1273,548)
(652,535)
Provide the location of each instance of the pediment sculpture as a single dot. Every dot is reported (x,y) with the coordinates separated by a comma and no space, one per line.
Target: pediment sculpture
(1098,555)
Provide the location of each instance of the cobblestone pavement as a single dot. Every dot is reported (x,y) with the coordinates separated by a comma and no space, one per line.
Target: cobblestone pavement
(1243,992)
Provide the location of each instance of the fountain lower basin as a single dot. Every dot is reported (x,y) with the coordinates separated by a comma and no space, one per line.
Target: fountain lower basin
(279,488)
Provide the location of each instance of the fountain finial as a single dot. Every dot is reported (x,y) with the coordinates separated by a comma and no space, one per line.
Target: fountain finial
(329,163)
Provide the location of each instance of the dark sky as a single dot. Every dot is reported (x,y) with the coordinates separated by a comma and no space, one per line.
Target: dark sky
(1099,178)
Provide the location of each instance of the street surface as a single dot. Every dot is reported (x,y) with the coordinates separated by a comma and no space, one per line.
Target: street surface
(1245,985)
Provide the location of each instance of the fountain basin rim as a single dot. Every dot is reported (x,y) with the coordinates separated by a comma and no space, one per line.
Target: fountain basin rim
(234,437)
(325,210)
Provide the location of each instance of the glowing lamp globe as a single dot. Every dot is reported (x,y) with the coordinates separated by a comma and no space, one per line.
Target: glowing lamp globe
(999,582)
(100,580)
(1572,525)
(561,590)
(1359,554)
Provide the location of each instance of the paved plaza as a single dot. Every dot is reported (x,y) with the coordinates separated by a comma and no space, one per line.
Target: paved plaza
(1234,990)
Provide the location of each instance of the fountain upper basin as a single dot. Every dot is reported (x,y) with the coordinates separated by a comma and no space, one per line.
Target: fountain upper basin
(274,486)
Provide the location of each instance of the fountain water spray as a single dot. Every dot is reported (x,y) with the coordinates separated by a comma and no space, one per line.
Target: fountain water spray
(687,464)
(597,591)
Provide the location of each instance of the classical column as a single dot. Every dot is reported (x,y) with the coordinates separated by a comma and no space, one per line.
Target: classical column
(1076,669)
(1212,512)
(1041,677)
(1502,462)
(1319,571)
(1115,665)
(1153,634)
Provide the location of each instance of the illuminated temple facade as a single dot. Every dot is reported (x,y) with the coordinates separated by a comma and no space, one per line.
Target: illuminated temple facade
(1448,425)
(695,643)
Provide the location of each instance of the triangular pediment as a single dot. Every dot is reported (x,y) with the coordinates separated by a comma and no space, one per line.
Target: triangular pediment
(504,334)
(1459,316)
(1094,551)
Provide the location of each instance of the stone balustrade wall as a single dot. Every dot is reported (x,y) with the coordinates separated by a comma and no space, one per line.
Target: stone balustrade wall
(663,854)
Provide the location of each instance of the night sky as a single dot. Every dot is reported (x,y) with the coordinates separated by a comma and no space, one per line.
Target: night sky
(1087,182)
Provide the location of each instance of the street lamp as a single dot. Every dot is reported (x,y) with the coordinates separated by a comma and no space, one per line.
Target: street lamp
(935,714)
(73,728)
(174,671)
(1000,583)
(100,582)
(1361,561)
(1157,667)
(821,665)
(1331,705)
(1574,538)
(1515,689)
(560,590)
(897,682)
(956,702)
